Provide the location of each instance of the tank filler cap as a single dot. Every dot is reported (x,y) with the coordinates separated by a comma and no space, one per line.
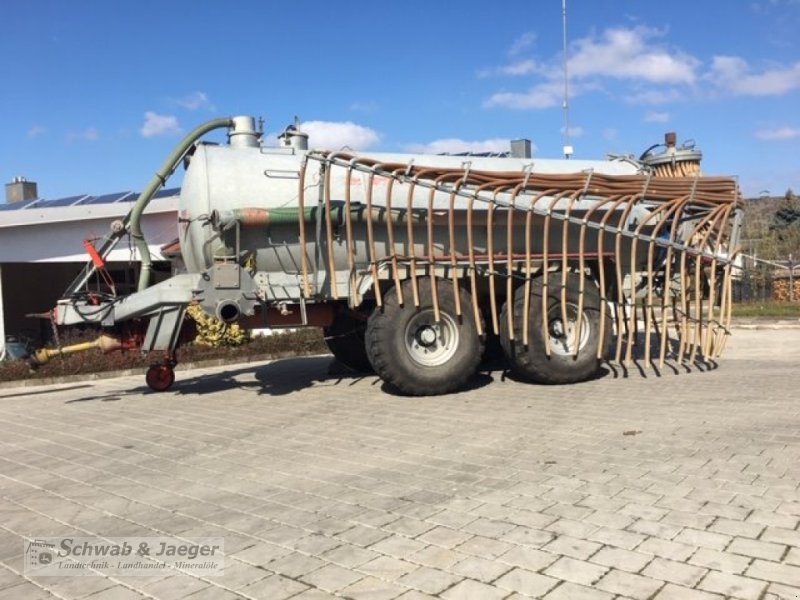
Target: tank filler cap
(671,153)
(243,133)
(292,137)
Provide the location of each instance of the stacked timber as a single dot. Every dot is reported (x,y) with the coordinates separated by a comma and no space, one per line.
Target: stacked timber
(781,289)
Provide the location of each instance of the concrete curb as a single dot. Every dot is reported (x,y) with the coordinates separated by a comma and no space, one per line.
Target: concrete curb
(182,367)
(765,323)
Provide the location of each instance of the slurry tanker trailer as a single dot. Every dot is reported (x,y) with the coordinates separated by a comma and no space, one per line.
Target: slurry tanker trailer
(411,263)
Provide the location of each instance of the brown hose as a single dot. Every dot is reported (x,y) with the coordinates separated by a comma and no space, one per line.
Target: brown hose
(675,194)
(528,269)
(302,227)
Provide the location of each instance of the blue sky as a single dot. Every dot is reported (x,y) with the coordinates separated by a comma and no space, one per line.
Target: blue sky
(95,93)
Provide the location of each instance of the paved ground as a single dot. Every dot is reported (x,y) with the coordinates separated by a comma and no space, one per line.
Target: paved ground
(684,486)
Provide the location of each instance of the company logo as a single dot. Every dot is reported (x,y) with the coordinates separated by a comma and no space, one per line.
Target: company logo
(145,556)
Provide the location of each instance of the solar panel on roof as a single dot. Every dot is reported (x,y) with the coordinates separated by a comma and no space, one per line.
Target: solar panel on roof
(167,192)
(108,198)
(69,201)
(85,199)
(18,205)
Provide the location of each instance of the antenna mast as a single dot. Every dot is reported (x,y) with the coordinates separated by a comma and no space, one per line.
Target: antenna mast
(568,149)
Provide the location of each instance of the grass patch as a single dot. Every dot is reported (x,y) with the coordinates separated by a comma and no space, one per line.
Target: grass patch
(766,309)
(296,343)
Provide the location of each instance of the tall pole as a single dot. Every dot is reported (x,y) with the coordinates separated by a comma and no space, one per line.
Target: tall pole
(567,147)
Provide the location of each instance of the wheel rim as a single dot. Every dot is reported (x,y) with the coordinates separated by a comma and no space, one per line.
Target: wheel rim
(160,378)
(562,335)
(429,343)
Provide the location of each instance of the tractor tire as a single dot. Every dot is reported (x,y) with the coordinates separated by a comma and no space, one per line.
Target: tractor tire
(415,354)
(345,339)
(570,360)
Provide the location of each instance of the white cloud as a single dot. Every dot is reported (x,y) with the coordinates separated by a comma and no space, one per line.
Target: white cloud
(630,54)
(195,101)
(655,96)
(778,133)
(36,131)
(543,95)
(610,134)
(90,134)
(765,7)
(650,71)
(656,117)
(522,43)
(456,145)
(575,131)
(733,74)
(519,68)
(339,134)
(155,125)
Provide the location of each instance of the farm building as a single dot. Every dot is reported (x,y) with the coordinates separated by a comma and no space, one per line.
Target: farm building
(42,249)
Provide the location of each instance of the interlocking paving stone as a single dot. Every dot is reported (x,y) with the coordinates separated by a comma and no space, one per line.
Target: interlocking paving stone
(295,564)
(775,572)
(528,558)
(314,594)
(571,591)
(737,528)
(628,584)
(526,582)
(781,536)
(615,537)
(174,587)
(625,560)
(733,585)
(372,588)
(720,561)
(757,549)
(430,581)
(499,491)
(571,546)
(414,595)
(674,572)
(277,587)
(704,539)
(676,592)
(660,530)
(575,571)
(484,546)
(349,556)
(388,568)
(666,549)
(473,590)
(398,546)
(331,578)
(776,591)
(526,536)
(123,593)
(772,519)
(482,569)
(437,558)
(793,556)
(444,537)
(688,519)
(609,519)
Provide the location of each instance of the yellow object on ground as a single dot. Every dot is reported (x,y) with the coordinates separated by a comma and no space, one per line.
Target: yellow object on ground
(213,332)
